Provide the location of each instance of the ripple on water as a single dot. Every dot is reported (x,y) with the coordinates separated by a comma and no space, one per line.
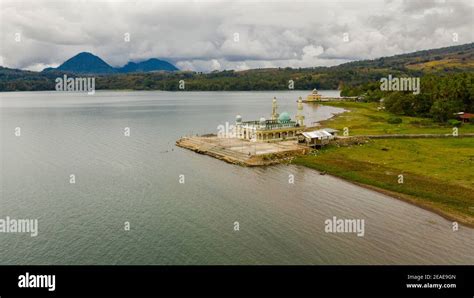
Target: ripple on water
(135,179)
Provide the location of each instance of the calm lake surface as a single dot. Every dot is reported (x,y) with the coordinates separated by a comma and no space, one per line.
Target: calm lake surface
(136,179)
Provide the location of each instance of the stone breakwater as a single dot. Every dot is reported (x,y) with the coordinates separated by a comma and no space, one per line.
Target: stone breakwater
(243,152)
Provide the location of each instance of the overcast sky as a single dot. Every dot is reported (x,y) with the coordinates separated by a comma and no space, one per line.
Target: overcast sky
(218,35)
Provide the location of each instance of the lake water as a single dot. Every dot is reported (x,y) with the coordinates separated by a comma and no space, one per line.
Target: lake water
(136,179)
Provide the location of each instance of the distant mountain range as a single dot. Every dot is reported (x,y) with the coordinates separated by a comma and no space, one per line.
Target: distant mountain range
(87,63)
(146,75)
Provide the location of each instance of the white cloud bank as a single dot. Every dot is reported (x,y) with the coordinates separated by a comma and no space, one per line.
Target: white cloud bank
(218,35)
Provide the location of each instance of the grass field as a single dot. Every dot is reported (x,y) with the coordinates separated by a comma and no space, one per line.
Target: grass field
(365,119)
(438,65)
(438,173)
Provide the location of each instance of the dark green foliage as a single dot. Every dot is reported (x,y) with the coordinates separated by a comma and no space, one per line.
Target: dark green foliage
(441,96)
(394,120)
(443,93)
(454,122)
(353,79)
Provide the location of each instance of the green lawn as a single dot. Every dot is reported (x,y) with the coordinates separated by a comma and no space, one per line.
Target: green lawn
(365,119)
(438,173)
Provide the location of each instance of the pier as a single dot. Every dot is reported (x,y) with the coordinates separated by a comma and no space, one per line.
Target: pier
(243,152)
(327,98)
(316,97)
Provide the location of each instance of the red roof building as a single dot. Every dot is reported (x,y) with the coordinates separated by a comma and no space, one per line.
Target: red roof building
(465,117)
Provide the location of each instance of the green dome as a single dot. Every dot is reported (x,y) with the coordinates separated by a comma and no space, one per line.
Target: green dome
(284,117)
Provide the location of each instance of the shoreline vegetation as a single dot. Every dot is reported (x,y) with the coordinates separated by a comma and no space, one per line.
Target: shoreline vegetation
(352,77)
(434,173)
(437,172)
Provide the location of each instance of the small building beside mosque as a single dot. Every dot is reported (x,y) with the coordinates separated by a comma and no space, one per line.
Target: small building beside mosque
(278,128)
(318,138)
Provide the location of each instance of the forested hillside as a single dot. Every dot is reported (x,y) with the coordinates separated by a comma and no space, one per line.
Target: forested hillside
(348,76)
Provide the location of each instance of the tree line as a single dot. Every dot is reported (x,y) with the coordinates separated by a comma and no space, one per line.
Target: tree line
(440,97)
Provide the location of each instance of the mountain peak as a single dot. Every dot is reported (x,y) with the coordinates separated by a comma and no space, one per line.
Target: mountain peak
(85,54)
(152,64)
(88,63)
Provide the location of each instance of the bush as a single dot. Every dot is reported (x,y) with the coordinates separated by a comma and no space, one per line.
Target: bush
(454,122)
(394,120)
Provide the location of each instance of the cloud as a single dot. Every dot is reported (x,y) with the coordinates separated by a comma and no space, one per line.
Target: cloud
(217,35)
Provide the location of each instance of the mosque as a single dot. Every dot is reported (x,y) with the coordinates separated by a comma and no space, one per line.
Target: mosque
(280,127)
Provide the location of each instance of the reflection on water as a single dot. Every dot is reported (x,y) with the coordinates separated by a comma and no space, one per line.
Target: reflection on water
(135,179)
